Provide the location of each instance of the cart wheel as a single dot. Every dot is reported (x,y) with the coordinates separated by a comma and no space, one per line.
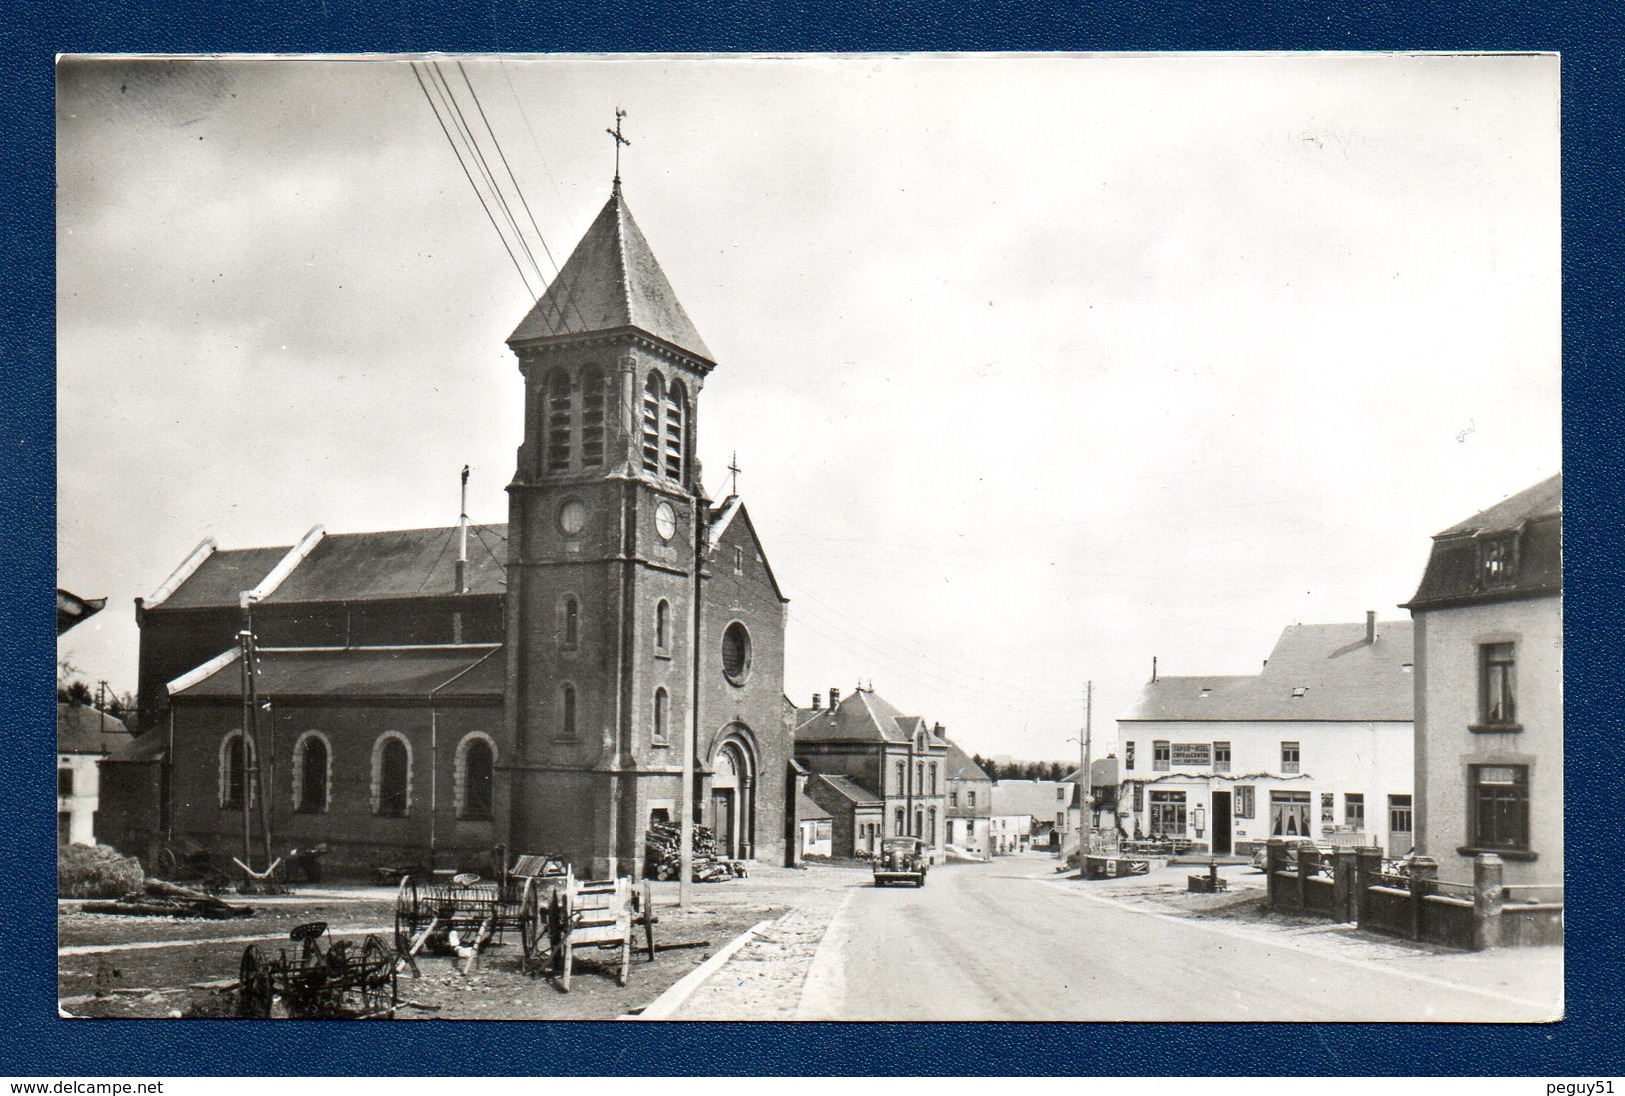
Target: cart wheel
(406,908)
(164,865)
(558,918)
(379,992)
(254,985)
(530,921)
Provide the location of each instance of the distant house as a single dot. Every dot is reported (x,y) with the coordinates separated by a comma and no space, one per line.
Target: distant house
(1489,690)
(84,736)
(883,755)
(856,815)
(1103,784)
(1316,744)
(970,804)
(1032,814)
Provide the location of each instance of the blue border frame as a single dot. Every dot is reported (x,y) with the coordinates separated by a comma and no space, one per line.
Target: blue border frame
(1589,36)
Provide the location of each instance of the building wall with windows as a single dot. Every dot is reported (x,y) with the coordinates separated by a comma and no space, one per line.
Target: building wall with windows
(84,737)
(1283,779)
(1318,744)
(1489,691)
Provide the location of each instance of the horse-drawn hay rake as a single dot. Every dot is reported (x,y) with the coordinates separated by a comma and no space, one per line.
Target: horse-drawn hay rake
(553,913)
(336,982)
(460,916)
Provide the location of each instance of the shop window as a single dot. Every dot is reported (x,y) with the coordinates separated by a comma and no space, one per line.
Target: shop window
(1497,679)
(1499,806)
(1290,757)
(1167,814)
(1160,756)
(1289,814)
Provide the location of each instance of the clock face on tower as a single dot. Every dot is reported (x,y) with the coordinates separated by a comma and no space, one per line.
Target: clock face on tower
(665,521)
(572,516)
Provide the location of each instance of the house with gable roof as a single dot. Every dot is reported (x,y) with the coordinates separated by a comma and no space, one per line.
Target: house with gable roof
(85,736)
(1317,744)
(1489,691)
(970,803)
(877,754)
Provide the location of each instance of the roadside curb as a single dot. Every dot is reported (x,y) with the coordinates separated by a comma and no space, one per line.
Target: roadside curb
(662,1007)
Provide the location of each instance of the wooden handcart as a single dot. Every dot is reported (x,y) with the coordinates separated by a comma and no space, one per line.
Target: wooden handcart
(338,982)
(600,914)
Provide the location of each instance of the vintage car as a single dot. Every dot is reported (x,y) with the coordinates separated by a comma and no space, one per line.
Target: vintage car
(902,860)
(1292,846)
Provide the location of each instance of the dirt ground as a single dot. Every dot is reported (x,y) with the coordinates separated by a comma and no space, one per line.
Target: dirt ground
(112,966)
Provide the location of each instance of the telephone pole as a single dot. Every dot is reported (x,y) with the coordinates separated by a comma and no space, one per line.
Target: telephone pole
(1085,784)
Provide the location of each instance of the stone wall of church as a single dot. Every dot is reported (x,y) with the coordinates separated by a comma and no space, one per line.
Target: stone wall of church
(359,838)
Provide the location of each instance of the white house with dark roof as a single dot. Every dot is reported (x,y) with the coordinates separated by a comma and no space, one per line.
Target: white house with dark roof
(970,803)
(1489,689)
(1317,744)
(84,736)
(1035,814)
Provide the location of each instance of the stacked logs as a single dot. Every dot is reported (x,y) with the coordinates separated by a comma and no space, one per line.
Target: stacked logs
(661,854)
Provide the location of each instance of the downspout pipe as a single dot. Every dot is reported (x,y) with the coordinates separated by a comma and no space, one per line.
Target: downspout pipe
(434,755)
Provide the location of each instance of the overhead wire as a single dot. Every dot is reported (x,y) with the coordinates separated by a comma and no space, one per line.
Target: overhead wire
(519,269)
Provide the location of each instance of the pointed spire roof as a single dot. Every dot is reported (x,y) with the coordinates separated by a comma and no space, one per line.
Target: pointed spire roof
(612,281)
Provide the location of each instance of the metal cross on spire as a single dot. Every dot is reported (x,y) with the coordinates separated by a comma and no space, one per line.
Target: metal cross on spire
(733,469)
(619,141)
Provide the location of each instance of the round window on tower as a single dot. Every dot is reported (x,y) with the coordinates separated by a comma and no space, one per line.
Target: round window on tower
(736,653)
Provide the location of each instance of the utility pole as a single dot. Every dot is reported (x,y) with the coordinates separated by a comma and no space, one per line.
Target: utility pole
(1085,787)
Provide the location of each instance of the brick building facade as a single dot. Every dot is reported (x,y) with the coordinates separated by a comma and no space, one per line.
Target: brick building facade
(423,695)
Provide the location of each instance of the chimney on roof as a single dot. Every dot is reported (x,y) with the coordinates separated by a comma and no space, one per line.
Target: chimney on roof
(1371,626)
(462,539)
(818,701)
(1153,669)
(936,729)
(834,697)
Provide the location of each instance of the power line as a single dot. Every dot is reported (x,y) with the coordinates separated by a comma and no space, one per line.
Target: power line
(469,176)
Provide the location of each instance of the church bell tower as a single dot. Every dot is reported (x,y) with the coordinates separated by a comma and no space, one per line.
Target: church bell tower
(605,541)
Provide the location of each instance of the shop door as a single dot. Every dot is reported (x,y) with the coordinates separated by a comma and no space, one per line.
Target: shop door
(1289,814)
(1221,823)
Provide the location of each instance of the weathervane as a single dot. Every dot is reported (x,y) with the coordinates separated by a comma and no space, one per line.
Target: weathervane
(619,141)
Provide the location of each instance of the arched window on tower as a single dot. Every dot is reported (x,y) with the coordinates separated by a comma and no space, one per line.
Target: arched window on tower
(570,626)
(567,712)
(654,394)
(663,626)
(558,421)
(662,728)
(592,419)
(676,415)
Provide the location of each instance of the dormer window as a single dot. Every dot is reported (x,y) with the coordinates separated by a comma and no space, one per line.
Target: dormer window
(1496,561)
(1299,692)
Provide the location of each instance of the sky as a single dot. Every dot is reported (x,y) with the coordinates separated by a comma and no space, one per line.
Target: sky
(1035,367)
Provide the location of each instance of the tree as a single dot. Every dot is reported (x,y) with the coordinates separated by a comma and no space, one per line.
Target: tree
(75,692)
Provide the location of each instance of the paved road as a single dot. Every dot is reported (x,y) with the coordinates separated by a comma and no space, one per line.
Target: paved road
(1011,941)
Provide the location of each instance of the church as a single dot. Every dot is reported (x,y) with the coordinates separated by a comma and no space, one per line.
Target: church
(414,698)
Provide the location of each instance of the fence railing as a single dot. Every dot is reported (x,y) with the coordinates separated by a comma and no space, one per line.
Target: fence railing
(1407,898)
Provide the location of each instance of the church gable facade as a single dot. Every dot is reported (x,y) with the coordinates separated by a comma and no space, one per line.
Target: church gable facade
(537,691)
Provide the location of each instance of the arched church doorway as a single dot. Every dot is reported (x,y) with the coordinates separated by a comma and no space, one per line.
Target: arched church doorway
(733,796)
